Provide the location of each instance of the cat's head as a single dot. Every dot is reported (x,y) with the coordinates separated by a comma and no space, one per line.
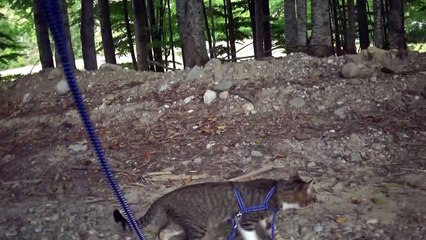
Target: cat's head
(295,192)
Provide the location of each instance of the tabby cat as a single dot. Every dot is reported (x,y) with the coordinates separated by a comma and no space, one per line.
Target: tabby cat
(197,211)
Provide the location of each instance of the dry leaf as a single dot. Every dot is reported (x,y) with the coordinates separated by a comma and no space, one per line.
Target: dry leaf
(355,200)
(342,219)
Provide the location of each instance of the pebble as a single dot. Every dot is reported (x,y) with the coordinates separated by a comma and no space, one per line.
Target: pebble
(224,95)
(210,145)
(188,99)
(373,221)
(350,70)
(11,232)
(55,74)
(341,112)
(62,87)
(164,87)
(318,227)
(255,153)
(26,98)
(297,102)
(248,107)
(311,164)
(38,229)
(198,160)
(78,147)
(209,97)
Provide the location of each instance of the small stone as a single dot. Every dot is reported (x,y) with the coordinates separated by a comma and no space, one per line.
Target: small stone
(248,107)
(188,99)
(78,147)
(209,97)
(255,153)
(341,112)
(62,87)
(350,70)
(198,160)
(338,187)
(26,98)
(109,67)
(38,229)
(355,157)
(11,232)
(373,221)
(55,74)
(311,164)
(297,102)
(224,85)
(321,107)
(225,148)
(164,87)
(223,95)
(210,145)
(318,228)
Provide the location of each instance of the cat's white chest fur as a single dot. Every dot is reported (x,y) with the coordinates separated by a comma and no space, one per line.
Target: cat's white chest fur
(248,235)
(286,206)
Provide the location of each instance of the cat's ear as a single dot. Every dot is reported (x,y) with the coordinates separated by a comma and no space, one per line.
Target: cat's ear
(293,173)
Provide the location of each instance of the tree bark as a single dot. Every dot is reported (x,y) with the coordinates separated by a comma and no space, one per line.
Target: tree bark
(363,23)
(290,25)
(209,36)
(106,32)
(253,23)
(320,43)
(142,37)
(67,33)
(155,35)
(379,40)
(42,33)
(191,31)
(87,35)
(396,25)
(335,7)
(129,34)
(260,36)
(231,29)
(267,41)
(172,46)
(301,40)
(350,33)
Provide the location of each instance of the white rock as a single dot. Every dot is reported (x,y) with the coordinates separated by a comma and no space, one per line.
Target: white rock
(255,153)
(341,112)
(223,95)
(318,228)
(248,107)
(164,87)
(78,147)
(195,73)
(62,87)
(209,97)
(198,160)
(373,221)
(311,164)
(188,99)
(210,145)
(26,98)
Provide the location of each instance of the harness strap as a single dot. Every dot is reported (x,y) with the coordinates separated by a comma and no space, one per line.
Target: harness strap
(256,208)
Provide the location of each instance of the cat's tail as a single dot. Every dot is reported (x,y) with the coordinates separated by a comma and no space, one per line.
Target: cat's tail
(118,218)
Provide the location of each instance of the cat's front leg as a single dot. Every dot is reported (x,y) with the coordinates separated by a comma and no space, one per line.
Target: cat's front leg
(248,234)
(266,226)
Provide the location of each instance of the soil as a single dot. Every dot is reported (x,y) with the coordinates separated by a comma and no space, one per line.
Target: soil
(363,141)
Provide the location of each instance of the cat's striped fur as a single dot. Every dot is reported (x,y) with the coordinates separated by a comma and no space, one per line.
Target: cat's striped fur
(199,210)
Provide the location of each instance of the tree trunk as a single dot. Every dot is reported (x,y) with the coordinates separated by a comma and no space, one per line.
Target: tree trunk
(253,23)
(42,33)
(87,35)
(231,30)
(172,46)
(156,36)
(212,20)
(378,23)
(260,36)
(267,29)
(335,8)
(396,25)
(290,25)
(191,31)
(301,25)
(67,33)
(320,43)
(129,34)
(363,23)
(209,36)
(106,32)
(142,37)
(350,33)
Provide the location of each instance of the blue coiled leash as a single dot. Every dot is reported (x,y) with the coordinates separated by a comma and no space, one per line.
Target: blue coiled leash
(53,11)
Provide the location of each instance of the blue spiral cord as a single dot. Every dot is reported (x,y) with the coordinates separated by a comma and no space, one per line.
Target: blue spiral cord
(53,10)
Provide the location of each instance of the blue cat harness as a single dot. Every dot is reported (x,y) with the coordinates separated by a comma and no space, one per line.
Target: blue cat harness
(243,210)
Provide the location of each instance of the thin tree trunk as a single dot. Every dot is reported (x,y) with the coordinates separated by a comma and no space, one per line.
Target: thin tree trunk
(253,23)
(191,31)
(337,27)
(226,30)
(231,30)
(364,39)
(267,29)
(260,48)
(155,36)
(42,33)
(67,33)
(290,25)
(211,14)
(209,36)
(378,23)
(172,46)
(350,34)
(129,34)
(87,35)
(320,44)
(142,37)
(106,32)
(396,25)
(301,40)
